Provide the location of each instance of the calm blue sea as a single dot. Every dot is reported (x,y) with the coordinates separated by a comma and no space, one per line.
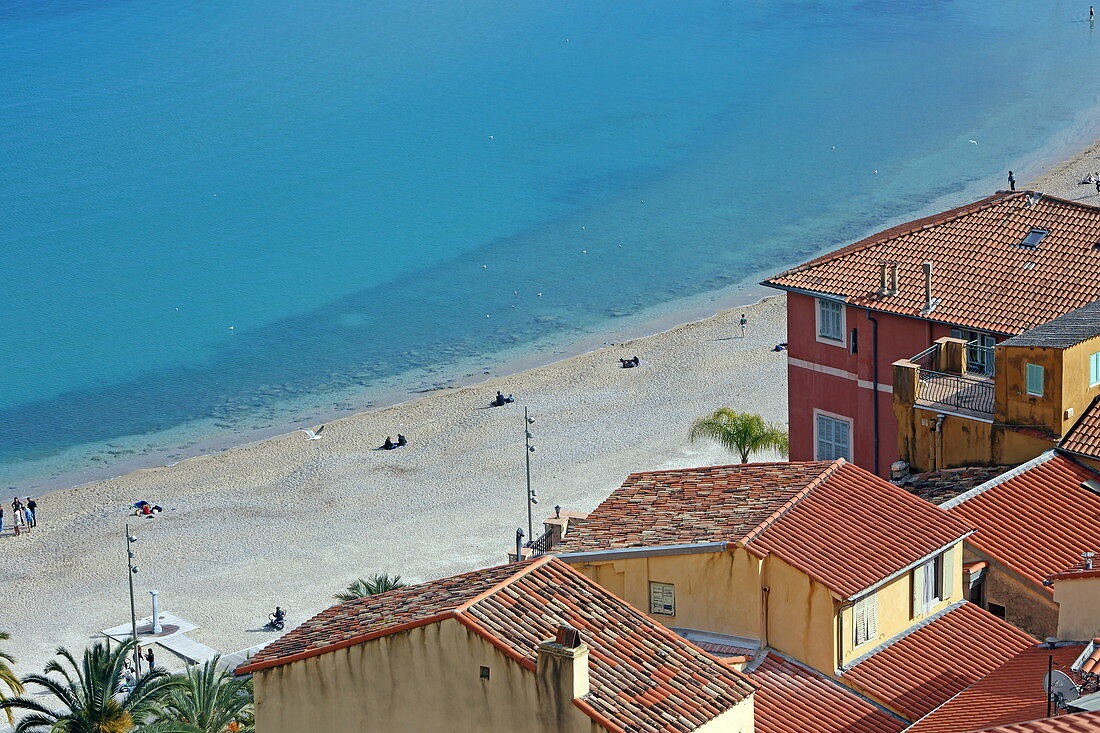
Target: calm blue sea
(218,217)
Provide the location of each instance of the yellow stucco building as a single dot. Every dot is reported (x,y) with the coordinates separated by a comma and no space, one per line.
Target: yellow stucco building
(533,646)
(821,561)
(1044,379)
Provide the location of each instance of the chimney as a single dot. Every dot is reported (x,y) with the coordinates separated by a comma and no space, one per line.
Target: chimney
(930,303)
(887,279)
(562,668)
(1087,559)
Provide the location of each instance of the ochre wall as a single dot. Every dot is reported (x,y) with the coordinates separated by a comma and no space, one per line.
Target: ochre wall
(1079,608)
(715,591)
(1014,405)
(1077,393)
(424,679)
(895,607)
(965,442)
(801,616)
(1012,447)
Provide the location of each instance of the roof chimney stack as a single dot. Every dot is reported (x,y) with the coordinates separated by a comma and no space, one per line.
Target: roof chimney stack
(887,279)
(562,668)
(1088,559)
(930,303)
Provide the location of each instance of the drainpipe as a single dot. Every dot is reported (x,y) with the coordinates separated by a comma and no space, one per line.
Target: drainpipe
(937,443)
(875,383)
(840,634)
(765,592)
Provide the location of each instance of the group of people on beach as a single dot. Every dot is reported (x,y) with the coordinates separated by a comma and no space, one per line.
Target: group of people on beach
(402,441)
(23,515)
(129,674)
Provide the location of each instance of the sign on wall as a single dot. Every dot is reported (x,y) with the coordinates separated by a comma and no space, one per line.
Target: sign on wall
(662,599)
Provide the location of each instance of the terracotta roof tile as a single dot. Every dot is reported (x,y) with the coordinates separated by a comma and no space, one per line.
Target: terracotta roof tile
(1076,723)
(981,276)
(940,486)
(836,522)
(1083,437)
(795,699)
(1012,693)
(1038,522)
(643,676)
(923,669)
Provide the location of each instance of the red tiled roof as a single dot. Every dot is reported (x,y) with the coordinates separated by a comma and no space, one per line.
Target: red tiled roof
(717,503)
(854,529)
(1012,693)
(945,484)
(928,666)
(795,699)
(1084,435)
(1076,723)
(841,525)
(981,276)
(642,675)
(1038,522)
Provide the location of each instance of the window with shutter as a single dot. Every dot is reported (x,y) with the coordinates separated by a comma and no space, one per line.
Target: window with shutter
(917,605)
(864,620)
(947,569)
(1035,378)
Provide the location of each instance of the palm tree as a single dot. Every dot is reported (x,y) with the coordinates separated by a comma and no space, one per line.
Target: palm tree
(7,676)
(91,695)
(212,700)
(371,586)
(741,432)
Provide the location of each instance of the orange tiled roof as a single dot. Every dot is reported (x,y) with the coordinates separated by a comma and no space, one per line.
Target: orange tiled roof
(642,675)
(836,522)
(1076,723)
(795,699)
(1083,437)
(981,277)
(1012,693)
(923,669)
(1037,521)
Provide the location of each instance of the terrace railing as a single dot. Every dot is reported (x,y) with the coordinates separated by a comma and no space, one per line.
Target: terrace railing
(542,544)
(937,389)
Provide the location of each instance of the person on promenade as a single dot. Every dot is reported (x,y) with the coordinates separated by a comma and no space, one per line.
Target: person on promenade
(1011,181)
(149,656)
(744,322)
(32,512)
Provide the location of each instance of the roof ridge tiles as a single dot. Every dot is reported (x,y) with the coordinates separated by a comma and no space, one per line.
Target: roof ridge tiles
(786,506)
(529,566)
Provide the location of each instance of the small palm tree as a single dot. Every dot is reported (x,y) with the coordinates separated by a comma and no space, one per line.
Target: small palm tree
(91,695)
(212,701)
(7,675)
(371,586)
(741,432)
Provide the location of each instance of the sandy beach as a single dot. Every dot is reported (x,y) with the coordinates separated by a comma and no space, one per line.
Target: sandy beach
(290,521)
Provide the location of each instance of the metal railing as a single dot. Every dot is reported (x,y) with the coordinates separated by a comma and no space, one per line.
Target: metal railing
(952,390)
(541,545)
(979,359)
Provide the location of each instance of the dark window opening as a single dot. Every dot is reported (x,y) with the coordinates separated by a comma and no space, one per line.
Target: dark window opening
(1031,241)
(997,610)
(484,673)
(855,340)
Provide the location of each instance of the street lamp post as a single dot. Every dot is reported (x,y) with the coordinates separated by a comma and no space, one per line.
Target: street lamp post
(131,570)
(531,498)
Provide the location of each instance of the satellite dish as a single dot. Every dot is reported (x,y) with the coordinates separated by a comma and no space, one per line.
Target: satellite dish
(1061,687)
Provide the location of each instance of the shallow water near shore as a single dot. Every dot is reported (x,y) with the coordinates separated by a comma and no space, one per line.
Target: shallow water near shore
(221,219)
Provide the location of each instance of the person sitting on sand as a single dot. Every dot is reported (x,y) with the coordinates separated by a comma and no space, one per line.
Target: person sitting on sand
(1086,179)
(389,444)
(500,400)
(401,440)
(627,363)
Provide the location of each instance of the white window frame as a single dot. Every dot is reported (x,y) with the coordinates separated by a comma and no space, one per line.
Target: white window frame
(1094,369)
(1042,379)
(840,418)
(865,609)
(843,340)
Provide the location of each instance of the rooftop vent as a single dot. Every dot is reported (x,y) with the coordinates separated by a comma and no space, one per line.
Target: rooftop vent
(1033,198)
(568,637)
(1087,556)
(1031,241)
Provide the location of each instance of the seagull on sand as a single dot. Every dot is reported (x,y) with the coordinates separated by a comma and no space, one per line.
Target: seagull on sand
(311,435)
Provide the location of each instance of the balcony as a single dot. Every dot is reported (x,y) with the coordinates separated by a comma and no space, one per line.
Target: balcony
(940,378)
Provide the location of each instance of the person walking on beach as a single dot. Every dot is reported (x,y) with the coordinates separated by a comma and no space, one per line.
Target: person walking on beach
(744,322)
(1011,181)
(32,512)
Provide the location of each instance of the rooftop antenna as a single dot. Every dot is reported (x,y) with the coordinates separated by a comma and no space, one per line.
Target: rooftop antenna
(1060,690)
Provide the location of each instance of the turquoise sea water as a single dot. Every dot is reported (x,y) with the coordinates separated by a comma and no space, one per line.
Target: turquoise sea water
(221,217)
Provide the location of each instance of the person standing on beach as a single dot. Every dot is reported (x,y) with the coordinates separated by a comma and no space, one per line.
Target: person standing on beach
(1,519)
(1011,181)
(1092,14)
(744,322)
(32,512)
(17,518)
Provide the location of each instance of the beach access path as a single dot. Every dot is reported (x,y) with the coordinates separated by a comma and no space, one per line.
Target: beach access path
(290,521)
